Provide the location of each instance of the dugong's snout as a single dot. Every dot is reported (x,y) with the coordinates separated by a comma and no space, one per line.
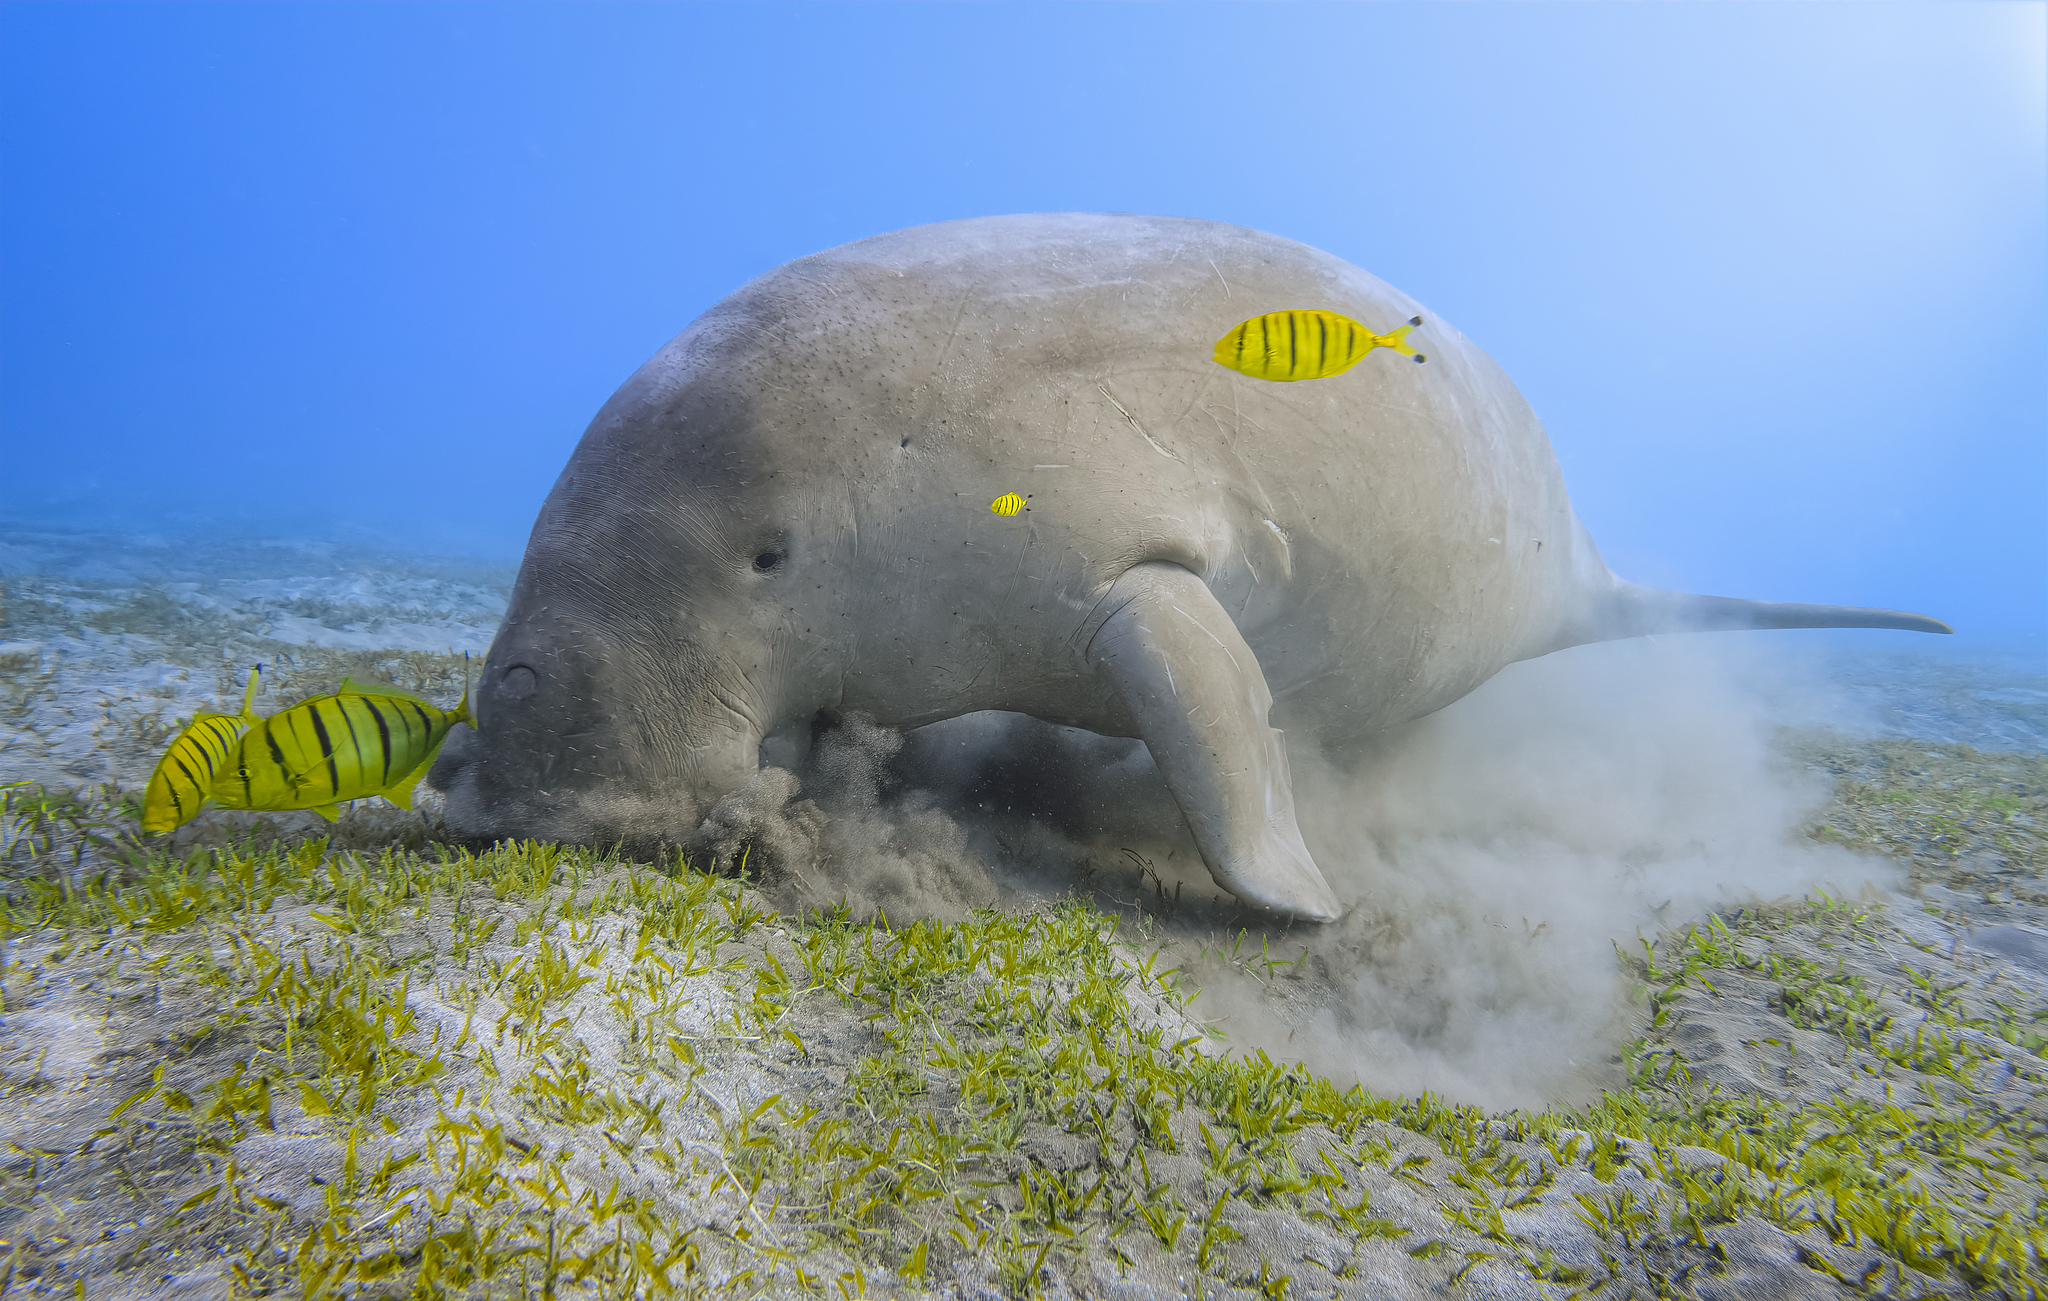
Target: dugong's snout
(492,795)
(550,759)
(454,775)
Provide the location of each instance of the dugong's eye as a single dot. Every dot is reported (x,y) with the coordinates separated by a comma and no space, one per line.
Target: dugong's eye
(767,560)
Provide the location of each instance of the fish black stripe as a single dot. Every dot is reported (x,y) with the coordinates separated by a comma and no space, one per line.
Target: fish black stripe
(326,748)
(383,737)
(355,742)
(1322,344)
(405,723)
(1293,357)
(177,803)
(276,757)
(402,743)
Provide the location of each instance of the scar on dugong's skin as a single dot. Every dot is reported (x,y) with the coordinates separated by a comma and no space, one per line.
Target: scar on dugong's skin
(787,511)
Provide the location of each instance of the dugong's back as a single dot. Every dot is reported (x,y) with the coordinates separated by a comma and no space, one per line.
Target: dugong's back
(1385,539)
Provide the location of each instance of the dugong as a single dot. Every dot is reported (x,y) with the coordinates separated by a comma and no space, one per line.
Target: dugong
(796,506)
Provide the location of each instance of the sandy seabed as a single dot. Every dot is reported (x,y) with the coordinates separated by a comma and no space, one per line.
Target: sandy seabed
(1672,969)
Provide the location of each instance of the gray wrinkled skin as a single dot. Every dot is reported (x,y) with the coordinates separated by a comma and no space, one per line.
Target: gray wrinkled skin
(787,510)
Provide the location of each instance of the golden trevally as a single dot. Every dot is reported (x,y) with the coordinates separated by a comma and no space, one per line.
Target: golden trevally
(363,740)
(1305,344)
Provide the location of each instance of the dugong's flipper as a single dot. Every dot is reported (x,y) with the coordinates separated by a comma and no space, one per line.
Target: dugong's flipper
(1200,702)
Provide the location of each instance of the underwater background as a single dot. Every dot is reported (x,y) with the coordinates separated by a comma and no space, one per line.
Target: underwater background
(358,274)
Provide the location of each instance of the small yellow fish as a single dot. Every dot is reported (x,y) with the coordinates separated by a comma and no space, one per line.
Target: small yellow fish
(186,772)
(1007,504)
(361,741)
(1305,344)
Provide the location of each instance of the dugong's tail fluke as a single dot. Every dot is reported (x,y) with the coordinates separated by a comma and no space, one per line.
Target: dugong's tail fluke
(1633,611)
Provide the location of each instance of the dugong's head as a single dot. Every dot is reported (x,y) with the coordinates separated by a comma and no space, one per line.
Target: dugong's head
(786,510)
(646,647)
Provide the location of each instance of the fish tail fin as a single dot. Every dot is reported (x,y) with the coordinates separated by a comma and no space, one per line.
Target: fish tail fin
(1397,339)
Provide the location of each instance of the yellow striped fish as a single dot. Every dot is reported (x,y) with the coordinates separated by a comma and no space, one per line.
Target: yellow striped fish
(1305,344)
(361,741)
(1007,504)
(185,774)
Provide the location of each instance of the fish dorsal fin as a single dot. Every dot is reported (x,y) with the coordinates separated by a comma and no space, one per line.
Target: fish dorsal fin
(351,687)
